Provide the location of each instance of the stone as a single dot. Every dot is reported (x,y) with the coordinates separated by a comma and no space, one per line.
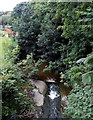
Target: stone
(64,102)
(40,85)
(39,91)
(38,98)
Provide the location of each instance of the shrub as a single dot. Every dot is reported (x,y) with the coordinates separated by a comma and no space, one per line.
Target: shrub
(15,99)
(80,98)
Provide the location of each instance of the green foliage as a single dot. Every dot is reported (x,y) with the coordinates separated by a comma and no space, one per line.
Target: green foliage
(77,28)
(27,24)
(75,73)
(89,60)
(59,34)
(54,32)
(81,71)
(80,102)
(80,98)
(15,99)
(87,78)
(29,67)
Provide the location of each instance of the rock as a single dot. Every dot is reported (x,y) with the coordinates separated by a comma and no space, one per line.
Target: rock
(38,98)
(64,102)
(40,85)
(39,92)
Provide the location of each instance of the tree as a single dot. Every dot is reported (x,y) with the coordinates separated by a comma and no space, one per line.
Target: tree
(27,24)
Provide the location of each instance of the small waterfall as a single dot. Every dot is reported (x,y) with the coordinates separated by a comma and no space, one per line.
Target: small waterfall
(51,108)
(53,92)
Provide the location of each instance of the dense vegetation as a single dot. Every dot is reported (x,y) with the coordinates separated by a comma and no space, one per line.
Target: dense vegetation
(80,98)
(54,32)
(5,18)
(59,34)
(16,101)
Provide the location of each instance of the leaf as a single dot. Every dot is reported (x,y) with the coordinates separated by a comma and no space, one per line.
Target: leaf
(89,60)
(87,78)
(80,60)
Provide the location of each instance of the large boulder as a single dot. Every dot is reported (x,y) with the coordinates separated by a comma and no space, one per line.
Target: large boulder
(40,85)
(39,91)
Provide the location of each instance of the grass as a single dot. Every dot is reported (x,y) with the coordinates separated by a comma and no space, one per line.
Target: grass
(5,43)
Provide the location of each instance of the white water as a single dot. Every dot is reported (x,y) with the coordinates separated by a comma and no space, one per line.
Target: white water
(53,94)
(52,102)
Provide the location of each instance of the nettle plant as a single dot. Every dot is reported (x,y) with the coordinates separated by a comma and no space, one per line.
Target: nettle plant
(80,98)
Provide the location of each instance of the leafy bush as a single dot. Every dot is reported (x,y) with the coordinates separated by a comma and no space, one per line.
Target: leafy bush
(80,98)
(59,33)
(15,99)
(80,102)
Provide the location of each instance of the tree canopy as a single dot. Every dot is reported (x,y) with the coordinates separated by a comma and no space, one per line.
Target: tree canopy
(54,32)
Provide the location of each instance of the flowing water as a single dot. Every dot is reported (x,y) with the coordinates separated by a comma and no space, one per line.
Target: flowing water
(51,108)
